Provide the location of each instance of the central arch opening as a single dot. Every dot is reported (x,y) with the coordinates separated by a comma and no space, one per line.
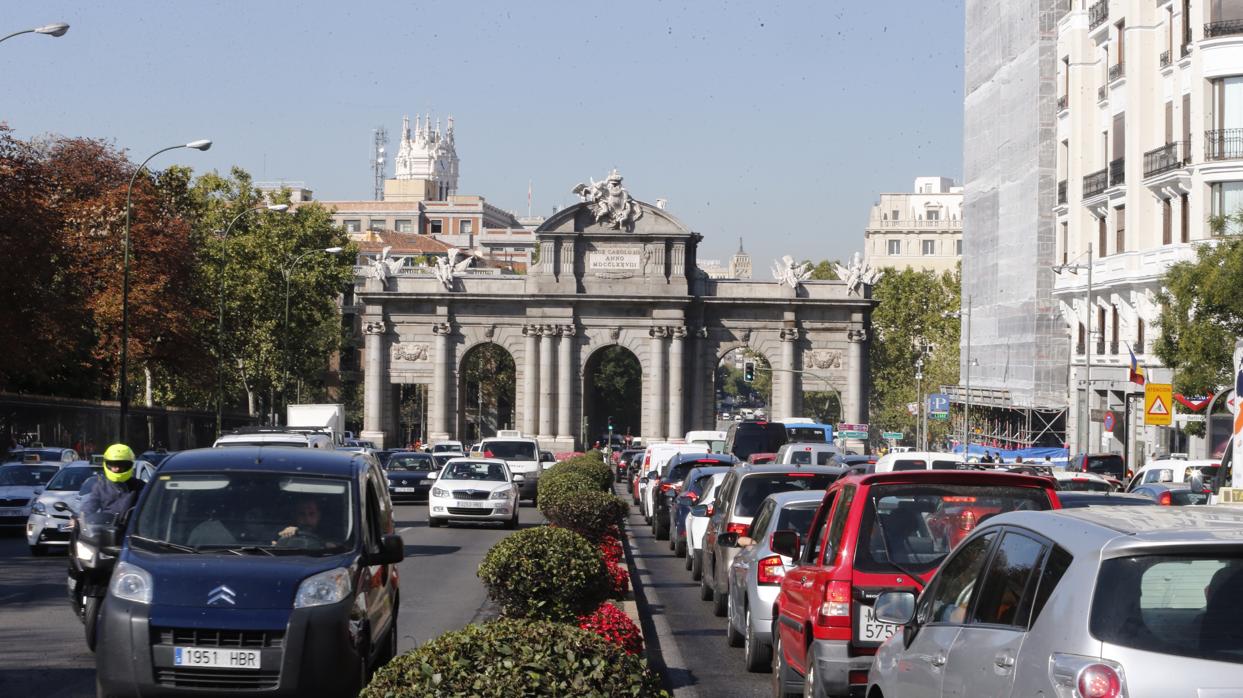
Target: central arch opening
(612,387)
(486,393)
(736,397)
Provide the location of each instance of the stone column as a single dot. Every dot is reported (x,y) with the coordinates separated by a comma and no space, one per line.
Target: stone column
(858,369)
(790,383)
(530,381)
(375,373)
(677,383)
(656,400)
(546,381)
(702,413)
(566,376)
(438,404)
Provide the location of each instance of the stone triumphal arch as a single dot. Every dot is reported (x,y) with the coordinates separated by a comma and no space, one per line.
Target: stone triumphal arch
(610,270)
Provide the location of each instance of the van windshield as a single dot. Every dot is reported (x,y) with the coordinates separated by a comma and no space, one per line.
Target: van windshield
(805,435)
(263,512)
(510,450)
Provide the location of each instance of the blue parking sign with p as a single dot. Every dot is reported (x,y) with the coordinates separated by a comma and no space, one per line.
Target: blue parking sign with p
(938,405)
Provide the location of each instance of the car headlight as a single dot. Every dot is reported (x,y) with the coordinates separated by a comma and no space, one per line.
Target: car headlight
(324,588)
(132,583)
(38,508)
(501,494)
(437,492)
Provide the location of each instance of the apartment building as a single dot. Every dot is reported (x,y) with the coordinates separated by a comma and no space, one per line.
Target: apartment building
(921,229)
(1149,148)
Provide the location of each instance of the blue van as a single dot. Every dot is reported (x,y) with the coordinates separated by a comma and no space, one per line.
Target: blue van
(252,569)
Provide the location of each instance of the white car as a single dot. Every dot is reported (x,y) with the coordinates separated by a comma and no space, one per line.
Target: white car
(474,489)
(697,525)
(917,460)
(19,485)
(446,446)
(521,454)
(1173,470)
(656,460)
(275,436)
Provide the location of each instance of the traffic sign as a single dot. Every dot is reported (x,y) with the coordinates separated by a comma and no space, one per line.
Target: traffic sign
(913,408)
(1158,404)
(1108,421)
(852,431)
(938,405)
(891,435)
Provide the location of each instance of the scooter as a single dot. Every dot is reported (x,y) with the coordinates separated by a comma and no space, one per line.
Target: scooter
(93,552)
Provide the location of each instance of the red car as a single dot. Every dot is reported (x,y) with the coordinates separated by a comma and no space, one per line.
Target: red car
(761,458)
(874,533)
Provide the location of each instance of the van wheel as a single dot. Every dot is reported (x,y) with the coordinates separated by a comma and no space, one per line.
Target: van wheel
(720,603)
(90,619)
(697,565)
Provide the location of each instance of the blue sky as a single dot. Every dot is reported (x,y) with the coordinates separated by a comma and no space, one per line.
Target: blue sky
(778,122)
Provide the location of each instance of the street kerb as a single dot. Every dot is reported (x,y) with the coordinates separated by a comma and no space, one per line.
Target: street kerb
(659,645)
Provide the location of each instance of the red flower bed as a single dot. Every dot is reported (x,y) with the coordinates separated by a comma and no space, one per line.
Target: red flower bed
(619,580)
(611,623)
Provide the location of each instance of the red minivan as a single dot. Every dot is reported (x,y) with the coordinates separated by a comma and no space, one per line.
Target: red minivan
(873,533)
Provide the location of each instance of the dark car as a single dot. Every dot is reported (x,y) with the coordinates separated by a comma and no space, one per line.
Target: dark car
(156,456)
(693,488)
(1111,464)
(670,486)
(407,475)
(745,438)
(383,456)
(625,460)
(252,569)
(1173,493)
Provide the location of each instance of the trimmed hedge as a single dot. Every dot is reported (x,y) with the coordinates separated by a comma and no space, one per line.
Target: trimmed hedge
(547,573)
(590,514)
(516,658)
(553,485)
(600,473)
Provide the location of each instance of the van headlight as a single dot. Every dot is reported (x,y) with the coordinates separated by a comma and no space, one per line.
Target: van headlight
(324,588)
(132,583)
(437,492)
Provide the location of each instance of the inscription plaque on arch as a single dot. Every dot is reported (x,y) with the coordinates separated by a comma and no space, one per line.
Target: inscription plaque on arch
(618,261)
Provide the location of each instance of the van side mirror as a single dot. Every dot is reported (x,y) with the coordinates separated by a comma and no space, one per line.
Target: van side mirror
(392,551)
(785,542)
(895,607)
(519,477)
(727,540)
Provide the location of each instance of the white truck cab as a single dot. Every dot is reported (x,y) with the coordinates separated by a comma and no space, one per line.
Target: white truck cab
(521,454)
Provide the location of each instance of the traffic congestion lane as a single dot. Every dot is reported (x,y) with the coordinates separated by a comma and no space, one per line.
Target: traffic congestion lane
(689,640)
(45,654)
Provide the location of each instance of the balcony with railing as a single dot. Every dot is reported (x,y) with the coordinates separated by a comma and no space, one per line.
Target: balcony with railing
(1170,156)
(1165,59)
(1117,172)
(1117,71)
(1223,144)
(1063,102)
(1114,347)
(1102,93)
(1097,14)
(1061,192)
(1095,183)
(1225,27)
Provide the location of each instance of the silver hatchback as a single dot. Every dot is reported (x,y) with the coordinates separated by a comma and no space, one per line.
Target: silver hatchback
(1104,602)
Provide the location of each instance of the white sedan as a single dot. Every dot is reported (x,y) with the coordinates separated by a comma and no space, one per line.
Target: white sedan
(474,489)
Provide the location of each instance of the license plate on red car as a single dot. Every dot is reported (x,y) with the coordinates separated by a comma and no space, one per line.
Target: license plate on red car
(868,630)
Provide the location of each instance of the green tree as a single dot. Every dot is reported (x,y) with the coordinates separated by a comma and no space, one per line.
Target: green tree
(615,383)
(822,270)
(490,380)
(908,323)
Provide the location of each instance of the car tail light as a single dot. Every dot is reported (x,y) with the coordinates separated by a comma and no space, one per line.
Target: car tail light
(691,496)
(835,609)
(739,528)
(1165,499)
(770,570)
(967,521)
(710,509)
(665,486)
(1099,681)
(1077,676)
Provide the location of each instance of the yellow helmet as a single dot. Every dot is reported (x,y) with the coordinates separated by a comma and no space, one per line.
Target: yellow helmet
(119,454)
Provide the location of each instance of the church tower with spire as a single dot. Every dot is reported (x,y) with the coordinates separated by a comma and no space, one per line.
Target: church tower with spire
(426,164)
(740,264)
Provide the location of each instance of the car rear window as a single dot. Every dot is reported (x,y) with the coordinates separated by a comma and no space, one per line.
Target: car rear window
(510,450)
(1185,497)
(1110,464)
(71,479)
(1182,605)
(1083,484)
(909,464)
(914,526)
(755,437)
(797,518)
(756,486)
(807,435)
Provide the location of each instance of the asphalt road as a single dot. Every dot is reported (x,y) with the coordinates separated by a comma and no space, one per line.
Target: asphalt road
(44,654)
(686,638)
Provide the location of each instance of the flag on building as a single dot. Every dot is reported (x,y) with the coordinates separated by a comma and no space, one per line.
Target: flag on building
(1137,371)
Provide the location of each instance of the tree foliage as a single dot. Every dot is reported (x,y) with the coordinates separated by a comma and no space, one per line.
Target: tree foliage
(822,270)
(909,321)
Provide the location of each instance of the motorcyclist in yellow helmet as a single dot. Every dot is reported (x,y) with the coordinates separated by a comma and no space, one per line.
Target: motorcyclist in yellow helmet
(117,490)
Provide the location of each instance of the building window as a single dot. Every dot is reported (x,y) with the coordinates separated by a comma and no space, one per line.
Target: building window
(1100,329)
(353,226)
(1113,331)
(375,225)
(1102,236)
(435,226)
(958,247)
(1139,337)
(934,215)
(1167,222)
(466,227)
(894,248)
(895,216)
(1082,338)
(1184,218)
(1228,201)
(928,247)
(405,226)
(1120,230)
(1065,242)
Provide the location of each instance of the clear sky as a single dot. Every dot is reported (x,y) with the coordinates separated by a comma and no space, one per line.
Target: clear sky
(775,121)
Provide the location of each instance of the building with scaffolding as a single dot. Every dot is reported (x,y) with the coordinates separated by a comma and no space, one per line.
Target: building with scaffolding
(1014,357)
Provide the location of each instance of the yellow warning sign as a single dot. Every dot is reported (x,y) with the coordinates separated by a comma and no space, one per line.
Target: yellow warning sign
(1158,404)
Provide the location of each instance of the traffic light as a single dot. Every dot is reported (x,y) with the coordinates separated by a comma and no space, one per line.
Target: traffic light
(748,371)
(610,424)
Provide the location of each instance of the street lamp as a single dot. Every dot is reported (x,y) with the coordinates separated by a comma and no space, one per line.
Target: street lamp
(287,272)
(57,29)
(1086,416)
(280,208)
(129,191)
(966,413)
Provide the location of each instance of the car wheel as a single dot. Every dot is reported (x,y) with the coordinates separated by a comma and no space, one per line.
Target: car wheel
(662,532)
(512,523)
(720,603)
(756,655)
(783,675)
(733,638)
(435,522)
(679,550)
(38,550)
(90,619)
(705,589)
(697,565)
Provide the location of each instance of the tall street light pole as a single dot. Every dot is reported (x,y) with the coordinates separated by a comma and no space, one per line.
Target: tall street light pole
(220,316)
(1086,417)
(57,29)
(287,272)
(129,192)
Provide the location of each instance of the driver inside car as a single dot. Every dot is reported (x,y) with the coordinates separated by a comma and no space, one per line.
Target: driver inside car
(306,520)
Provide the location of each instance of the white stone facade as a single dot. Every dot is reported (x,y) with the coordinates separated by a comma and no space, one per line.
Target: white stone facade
(921,229)
(1149,147)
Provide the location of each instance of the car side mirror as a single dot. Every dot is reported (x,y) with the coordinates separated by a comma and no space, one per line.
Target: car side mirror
(699,510)
(727,540)
(392,551)
(433,475)
(60,506)
(519,477)
(895,607)
(785,542)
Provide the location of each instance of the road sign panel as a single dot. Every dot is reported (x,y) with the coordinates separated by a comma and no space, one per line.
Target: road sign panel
(1108,421)
(891,435)
(850,434)
(1158,403)
(938,405)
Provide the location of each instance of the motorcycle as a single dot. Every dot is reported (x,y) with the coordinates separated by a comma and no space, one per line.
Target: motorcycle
(93,551)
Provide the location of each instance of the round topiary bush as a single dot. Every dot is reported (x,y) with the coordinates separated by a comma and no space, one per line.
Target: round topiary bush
(546,572)
(600,473)
(553,485)
(591,514)
(510,657)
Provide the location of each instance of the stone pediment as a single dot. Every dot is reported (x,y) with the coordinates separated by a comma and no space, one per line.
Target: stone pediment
(581,218)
